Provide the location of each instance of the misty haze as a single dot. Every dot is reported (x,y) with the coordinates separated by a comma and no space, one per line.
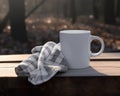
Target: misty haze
(27,23)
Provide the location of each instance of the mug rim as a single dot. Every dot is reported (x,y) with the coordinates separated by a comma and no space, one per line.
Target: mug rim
(75,31)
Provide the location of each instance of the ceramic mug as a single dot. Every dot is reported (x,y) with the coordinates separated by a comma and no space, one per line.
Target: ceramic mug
(75,46)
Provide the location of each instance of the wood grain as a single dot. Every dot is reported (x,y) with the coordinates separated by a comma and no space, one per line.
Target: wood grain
(97,68)
(20,57)
(100,79)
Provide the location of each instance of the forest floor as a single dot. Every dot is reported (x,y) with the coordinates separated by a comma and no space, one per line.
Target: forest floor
(47,29)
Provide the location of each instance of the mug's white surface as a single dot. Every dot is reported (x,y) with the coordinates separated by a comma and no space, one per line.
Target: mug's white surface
(75,46)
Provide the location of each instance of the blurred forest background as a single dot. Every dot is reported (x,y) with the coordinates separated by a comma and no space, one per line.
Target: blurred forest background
(28,23)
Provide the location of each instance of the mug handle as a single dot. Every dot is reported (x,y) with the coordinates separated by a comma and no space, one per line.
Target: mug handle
(102,45)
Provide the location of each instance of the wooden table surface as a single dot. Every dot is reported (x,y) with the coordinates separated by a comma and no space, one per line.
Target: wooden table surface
(20,57)
(102,78)
(107,64)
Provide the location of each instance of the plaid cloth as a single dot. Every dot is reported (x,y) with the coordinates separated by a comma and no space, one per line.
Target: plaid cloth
(43,64)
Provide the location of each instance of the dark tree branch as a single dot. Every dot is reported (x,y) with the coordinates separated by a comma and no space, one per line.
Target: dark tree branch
(17,20)
(73,11)
(109,12)
(5,20)
(36,7)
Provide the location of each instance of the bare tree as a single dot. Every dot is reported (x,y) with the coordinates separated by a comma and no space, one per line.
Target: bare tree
(109,11)
(6,18)
(4,22)
(118,8)
(95,9)
(65,8)
(73,11)
(17,20)
(36,7)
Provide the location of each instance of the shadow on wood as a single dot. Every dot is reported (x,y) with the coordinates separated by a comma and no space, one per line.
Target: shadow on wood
(63,86)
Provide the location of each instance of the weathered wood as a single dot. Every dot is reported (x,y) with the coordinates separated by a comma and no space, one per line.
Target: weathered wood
(13,58)
(101,78)
(107,57)
(17,22)
(20,57)
(97,68)
(66,86)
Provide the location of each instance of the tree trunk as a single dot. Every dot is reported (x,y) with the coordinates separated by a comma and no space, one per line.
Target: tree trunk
(65,8)
(73,11)
(36,7)
(95,9)
(109,11)
(118,9)
(17,20)
(4,22)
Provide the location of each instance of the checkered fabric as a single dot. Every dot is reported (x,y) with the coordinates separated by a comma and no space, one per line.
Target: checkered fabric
(43,64)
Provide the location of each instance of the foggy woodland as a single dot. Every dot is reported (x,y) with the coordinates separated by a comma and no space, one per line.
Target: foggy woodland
(27,23)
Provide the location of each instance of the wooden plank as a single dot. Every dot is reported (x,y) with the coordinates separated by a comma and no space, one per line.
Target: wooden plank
(67,86)
(8,65)
(20,57)
(13,58)
(104,67)
(7,72)
(97,68)
(107,56)
(77,82)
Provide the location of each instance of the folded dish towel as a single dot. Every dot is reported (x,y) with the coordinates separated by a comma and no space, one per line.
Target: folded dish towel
(43,64)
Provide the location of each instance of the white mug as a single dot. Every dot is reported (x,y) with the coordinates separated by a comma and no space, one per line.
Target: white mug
(75,46)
